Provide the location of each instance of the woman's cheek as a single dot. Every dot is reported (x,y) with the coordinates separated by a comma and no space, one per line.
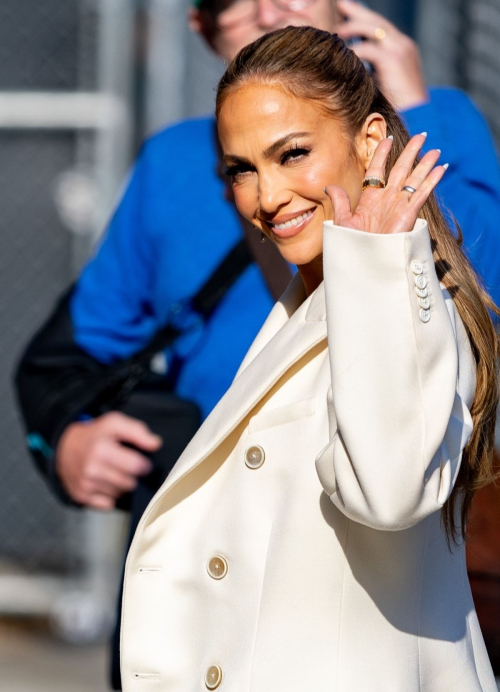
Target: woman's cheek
(310,181)
(244,200)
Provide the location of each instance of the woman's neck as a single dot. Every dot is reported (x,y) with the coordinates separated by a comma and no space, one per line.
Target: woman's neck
(312,274)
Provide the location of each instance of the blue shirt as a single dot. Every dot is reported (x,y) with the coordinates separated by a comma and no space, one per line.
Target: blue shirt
(174,225)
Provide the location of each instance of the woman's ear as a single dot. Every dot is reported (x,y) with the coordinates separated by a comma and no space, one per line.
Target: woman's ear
(372,133)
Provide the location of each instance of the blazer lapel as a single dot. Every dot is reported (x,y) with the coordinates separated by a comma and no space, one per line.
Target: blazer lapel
(283,340)
(283,309)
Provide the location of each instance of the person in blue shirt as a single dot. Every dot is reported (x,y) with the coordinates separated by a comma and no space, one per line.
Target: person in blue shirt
(175,223)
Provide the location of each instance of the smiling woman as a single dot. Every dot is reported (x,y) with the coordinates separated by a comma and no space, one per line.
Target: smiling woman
(311,536)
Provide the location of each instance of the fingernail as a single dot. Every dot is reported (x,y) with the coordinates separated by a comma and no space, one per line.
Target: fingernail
(446,165)
(390,137)
(424,134)
(439,151)
(324,190)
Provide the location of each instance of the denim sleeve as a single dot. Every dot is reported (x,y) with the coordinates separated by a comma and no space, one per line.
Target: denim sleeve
(112,305)
(470,189)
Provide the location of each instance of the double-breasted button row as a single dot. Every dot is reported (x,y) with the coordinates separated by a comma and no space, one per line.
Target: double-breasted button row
(421,291)
(217,569)
(217,566)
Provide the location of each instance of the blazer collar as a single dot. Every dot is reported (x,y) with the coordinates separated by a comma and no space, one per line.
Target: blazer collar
(293,327)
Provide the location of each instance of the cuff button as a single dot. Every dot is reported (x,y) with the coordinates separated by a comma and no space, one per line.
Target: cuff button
(420,281)
(425,315)
(416,267)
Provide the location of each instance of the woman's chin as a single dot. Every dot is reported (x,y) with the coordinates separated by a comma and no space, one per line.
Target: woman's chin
(300,254)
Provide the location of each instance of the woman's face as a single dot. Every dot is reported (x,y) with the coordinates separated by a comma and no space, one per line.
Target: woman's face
(281,152)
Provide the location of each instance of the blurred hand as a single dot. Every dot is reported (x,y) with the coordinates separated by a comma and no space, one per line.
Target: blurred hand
(394,56)
(93,464)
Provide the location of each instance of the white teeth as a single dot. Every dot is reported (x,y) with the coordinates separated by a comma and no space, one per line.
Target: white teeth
(293,222)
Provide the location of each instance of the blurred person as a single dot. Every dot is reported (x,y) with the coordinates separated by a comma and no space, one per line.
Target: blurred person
(161,248)
(311,537)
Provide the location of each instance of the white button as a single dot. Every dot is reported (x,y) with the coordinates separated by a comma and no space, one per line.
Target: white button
(424,303)
(420,281)
(416,267)
(217,567)
(425,315)
(213,677)
(421,292)
(254,457)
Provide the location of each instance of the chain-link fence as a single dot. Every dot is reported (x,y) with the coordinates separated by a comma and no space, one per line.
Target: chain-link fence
(63,135)
(39,51)
(459,41)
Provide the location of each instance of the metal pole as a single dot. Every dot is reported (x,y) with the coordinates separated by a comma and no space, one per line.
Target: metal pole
(166,63)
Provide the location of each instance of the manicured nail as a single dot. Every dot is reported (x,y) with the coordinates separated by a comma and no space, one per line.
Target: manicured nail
(446,165)
(324,190)
(424,134)
(390,137)
(439,151)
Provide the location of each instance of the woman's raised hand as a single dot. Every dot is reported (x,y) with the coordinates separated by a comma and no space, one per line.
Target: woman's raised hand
(390,209)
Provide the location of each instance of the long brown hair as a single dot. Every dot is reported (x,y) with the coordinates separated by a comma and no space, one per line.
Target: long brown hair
(317,65)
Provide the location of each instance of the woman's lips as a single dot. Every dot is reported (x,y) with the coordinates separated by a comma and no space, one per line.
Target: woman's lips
(292,227)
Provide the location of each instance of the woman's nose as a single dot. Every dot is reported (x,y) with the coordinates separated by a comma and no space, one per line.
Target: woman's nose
(272,196)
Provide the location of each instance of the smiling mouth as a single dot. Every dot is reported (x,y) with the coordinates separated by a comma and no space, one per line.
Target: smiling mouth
(292,226)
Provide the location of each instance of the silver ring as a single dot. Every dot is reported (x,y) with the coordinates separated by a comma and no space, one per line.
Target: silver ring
(408,188)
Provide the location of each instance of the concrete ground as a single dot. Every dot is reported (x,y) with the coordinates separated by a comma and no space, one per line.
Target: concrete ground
(31,660)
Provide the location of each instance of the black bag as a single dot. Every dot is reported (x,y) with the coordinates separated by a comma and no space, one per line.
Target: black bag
(57,382)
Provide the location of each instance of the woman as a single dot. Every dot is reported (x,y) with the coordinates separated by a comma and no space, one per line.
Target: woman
(311,535)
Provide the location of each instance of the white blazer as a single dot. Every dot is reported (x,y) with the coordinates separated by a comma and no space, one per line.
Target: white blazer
(297,545)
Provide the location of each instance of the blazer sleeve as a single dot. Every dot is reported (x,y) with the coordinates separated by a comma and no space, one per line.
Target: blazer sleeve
(471,186)
(402,379)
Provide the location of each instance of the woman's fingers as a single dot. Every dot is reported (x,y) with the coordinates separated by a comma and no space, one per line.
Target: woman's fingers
(376,169)
(420,197)
(422,170)
(402,168)
(340,202)
(363,29)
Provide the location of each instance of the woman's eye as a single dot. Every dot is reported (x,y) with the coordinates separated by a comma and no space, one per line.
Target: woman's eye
(239,176)
(295,154)
(238,173)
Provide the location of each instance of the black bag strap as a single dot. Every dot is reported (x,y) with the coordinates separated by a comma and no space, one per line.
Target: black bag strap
(205,300)
(222,279)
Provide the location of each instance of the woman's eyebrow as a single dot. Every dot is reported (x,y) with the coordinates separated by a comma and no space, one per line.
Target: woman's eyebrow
(229,159)
(281,142)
